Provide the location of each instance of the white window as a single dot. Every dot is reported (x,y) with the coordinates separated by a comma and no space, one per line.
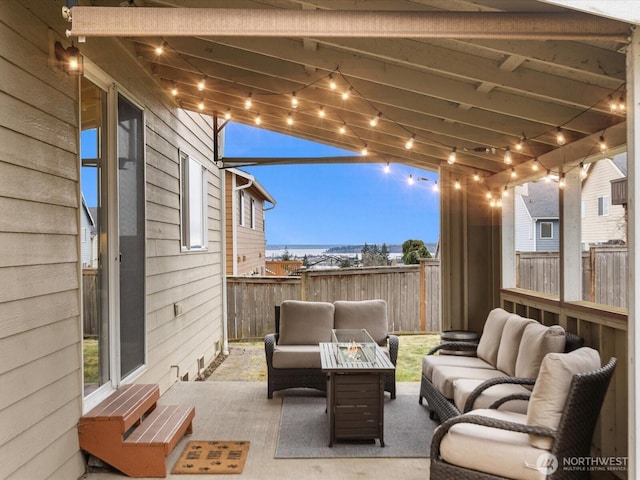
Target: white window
(193,201)
(546,230)
(583,209)
(252,214)
(603,205)
(241,208)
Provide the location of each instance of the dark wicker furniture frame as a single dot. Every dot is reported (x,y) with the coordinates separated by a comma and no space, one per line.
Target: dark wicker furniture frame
(571,439)
(283,378)
(443,409)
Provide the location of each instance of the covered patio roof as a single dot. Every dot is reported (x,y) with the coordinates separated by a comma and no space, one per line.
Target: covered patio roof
(425,78)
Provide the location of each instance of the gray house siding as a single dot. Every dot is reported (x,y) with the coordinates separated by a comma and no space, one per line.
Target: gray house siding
(548,244)
(40,252)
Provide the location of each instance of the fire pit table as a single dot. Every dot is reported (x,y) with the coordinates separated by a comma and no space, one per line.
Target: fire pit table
(355,366)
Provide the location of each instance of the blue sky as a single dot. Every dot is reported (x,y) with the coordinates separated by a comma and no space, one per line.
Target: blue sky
(336,203)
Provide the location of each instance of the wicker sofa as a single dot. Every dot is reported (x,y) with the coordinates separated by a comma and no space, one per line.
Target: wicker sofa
(293,352)
(503,368)
(559,423)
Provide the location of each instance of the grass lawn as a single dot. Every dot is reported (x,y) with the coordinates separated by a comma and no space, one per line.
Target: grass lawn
(412,349)
(90,347)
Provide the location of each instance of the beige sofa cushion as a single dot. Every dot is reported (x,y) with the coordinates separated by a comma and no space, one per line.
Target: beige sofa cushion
(510,343)
(537,341)
(296,356)
(444,376)
(463,387)
(368,314)
(550,392)
(305,323)
(491,334)
(431,361)
(497,452)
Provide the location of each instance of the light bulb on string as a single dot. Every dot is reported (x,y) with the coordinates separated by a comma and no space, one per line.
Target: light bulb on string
(507,156)
(364,150)
(534,166)
(321,112)
(201,83)
(248,102)
(457,185)
(514,175)
(562,182)
(547,177)
(258,120)
(505,191)
(343,128)
(602,144)
(387,168)
(435,187)
(410,180)
(613,105)
(560,138)
(499,203)
(347,93)
(488,195)
(622,105)
(294,100)
(227,114)
(174,90)
(289,119)
(583,171)
(476,176)
(452,156)
(201,105)
(519,144)
(332,83)
(160,48)
(409,144)
(492,203)
(374,121)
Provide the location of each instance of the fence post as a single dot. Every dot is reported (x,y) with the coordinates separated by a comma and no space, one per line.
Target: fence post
(592,275)
(303,284)
(423,304)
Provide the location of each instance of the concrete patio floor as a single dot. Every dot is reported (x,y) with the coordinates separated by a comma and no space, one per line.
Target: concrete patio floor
(233,410)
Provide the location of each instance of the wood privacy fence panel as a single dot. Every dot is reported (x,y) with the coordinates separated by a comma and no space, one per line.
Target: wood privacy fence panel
(604,274)
(412,294)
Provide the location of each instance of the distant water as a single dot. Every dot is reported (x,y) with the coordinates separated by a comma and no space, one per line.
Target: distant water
(299,251)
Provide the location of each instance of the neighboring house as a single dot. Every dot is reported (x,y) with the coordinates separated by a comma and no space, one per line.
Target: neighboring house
(245,205)
(537,221)
(88,238)
(602,220)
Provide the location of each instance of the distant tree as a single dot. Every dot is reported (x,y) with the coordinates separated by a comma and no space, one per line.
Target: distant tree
(305,260)
(374,256)
(344,262)
(286,256)
(413,251)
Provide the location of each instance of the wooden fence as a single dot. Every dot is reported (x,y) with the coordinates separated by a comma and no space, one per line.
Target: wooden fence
(412,294)
(604,274)
(90,302)
(280,268)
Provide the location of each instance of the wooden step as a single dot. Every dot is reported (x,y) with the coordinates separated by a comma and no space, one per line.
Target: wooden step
(133,434)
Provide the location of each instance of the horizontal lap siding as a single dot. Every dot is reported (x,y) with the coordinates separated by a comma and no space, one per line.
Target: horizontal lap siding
(40,344)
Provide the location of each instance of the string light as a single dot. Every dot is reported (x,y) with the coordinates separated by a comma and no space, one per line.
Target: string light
(343,128)
(534,166)
(294,100)
(347,93)
(409,144)
(258,120)
(519,144)
(247,102)
(499,203)
(410,180)
(321,112)
(201,83)
(507,156)
(457,185)
(514,175)
(613,105)
(374,121)
(289,119)
(505,191)
(452,156)
(547,177)
(201,105)
(387,168)
(622,105)
(602,144)
(227,114)
(160,48)
(583,171)
(560,138)
(562,182)
(174,90)
(488,195)
(364,150)
(435,187)
(332,82)
(476,176)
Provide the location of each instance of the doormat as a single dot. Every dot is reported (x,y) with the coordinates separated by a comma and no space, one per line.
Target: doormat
(212,457)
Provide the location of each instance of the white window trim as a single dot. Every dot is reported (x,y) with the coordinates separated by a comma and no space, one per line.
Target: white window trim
(606,207)
(187,162)
(252,213)
(241,205)
(546,238)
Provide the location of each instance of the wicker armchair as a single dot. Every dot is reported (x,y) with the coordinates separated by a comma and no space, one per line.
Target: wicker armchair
(572,438)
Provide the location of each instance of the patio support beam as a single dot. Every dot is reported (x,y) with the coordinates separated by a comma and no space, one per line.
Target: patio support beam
(570,238)
(168,22)
(633,162)
(508,239)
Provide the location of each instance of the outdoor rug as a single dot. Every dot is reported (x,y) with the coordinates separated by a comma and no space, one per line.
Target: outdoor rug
(204,457)
(304,430)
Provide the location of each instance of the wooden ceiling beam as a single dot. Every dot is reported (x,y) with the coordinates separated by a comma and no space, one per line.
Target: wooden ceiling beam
(168,22)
